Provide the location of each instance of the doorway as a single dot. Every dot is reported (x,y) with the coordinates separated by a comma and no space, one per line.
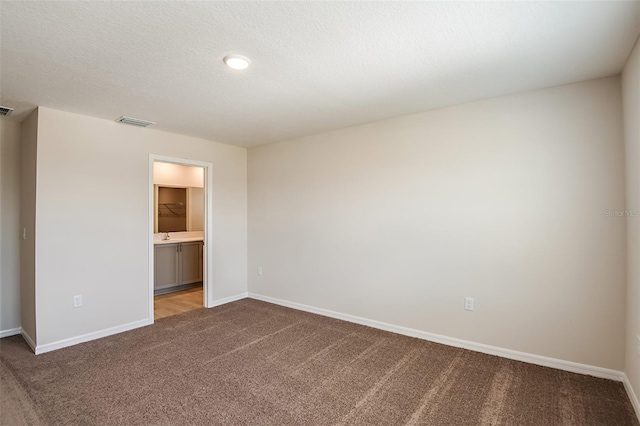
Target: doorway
(180,229)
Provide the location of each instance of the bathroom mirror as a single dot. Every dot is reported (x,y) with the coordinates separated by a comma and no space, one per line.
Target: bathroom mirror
(172,209)
(178,209)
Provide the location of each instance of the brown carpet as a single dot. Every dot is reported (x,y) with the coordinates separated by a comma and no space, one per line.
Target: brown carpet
(253,363)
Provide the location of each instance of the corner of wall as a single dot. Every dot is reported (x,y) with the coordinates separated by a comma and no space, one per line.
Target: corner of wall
(9,227)
(631,112)
(28,165)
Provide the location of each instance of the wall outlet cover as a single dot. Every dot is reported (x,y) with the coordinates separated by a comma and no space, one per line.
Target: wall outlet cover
(468,303)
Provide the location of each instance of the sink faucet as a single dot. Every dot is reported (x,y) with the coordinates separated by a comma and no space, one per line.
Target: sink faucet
(166,236)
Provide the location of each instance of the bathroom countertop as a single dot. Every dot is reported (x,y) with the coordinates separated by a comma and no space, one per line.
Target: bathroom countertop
(178,237)
(178,240)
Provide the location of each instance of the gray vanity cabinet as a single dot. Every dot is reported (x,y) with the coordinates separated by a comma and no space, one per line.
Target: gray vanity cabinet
(191,262)
(177,264)
(167,266)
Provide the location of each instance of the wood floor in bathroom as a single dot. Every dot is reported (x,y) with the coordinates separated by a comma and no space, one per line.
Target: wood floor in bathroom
(170,304)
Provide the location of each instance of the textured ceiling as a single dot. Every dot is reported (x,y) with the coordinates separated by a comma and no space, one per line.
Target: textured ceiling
(317,66)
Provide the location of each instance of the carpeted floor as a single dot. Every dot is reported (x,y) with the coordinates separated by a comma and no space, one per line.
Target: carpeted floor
(253,363)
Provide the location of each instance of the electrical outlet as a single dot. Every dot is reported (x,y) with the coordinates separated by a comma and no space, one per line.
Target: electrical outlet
(77,301)
(260,270)
(24,233)
(468,303)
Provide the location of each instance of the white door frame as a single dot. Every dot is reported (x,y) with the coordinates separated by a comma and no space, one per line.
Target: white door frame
(207,264)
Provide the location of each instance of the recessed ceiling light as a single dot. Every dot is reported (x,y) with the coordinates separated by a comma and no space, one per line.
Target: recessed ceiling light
(237,62)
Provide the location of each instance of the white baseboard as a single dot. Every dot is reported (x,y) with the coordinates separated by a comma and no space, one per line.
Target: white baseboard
(10,332)
(28,339)
(40,349)
(560,364)
(632,396)
(229,299)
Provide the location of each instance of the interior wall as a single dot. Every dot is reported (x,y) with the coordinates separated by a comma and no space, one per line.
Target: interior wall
(631,105)
(93,237)
(503,200)
(196,209)
(9,225)
(28,179)
(178,175)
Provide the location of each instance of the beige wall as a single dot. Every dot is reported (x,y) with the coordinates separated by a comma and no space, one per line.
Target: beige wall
(93,237)
(195,220)
(28,178)
(502,200)
(9,225)
(631,105)
(178,175)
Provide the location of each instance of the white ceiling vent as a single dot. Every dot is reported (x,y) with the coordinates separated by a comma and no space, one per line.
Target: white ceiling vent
(4,111)
(135,121)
